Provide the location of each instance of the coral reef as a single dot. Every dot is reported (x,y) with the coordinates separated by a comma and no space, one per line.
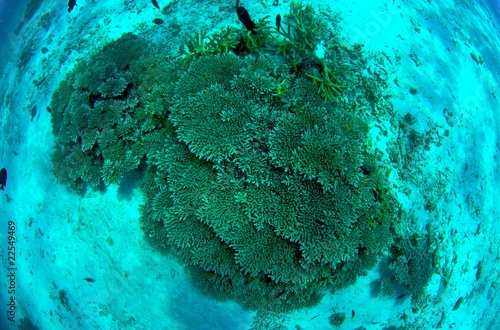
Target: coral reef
(254,180)
(272,196)
(295,42)
(105,116)
(301,32)
(329,86)
(411,262)
(336,319)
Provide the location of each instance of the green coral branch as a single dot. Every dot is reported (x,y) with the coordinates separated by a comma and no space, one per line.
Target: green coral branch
(288,44)
(195,46)
(264,38)
(223,41)
(329,86)
(302,32)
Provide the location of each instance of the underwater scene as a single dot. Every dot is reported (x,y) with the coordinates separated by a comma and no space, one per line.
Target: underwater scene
(249,164)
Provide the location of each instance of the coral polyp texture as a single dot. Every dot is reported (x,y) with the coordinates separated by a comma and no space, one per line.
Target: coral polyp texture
(106,116)
(251,177)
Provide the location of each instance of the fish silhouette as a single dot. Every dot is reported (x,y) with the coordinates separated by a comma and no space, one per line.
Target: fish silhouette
(71,5)
(3,178)
(244,18)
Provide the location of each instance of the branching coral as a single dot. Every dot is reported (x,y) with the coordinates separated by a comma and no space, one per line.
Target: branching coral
(223,41)
(411,261)
(301,32)
(200,44)
(329,86)
(194,46)
(261,185)
(98,115)
(252,179)
(263,40)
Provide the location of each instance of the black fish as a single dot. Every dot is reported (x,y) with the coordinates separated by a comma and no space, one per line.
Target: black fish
(244,18)
(278,22)
(367,169)
(158,21)
(155,3)
(88,279)
(279,294)
(71,5)
(33,112)
(401,296)
(3,178)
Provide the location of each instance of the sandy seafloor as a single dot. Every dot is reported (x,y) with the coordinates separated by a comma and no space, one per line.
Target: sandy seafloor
(454,183)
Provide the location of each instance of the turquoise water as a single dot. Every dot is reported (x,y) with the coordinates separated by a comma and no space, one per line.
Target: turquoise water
(170,169)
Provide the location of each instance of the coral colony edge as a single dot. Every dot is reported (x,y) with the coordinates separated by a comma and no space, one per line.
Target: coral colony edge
(257,165)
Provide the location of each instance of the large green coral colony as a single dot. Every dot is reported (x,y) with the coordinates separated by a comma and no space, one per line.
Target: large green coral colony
(251,177)
(108,114)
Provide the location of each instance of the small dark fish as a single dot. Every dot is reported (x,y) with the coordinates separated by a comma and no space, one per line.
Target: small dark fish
(278,22)
(244,18)
(3,178)
(401,296)
(155,3)
(71,5)
(279,294)
(33,112)
(315,316)
(367,169)
(88,279)
(458,303)
(158,21)
(353,313)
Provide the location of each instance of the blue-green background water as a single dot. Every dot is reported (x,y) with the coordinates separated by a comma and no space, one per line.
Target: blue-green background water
(450,182)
